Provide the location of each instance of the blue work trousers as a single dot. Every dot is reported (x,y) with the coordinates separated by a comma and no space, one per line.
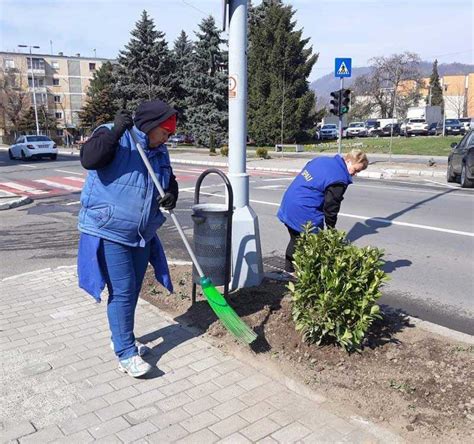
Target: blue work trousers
(124,269)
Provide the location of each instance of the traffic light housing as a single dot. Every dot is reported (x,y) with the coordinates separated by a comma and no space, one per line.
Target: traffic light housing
(335,102)
(345,101)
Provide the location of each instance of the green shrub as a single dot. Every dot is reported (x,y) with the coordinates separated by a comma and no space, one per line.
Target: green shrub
(261,152)
(338,284)
(225,151)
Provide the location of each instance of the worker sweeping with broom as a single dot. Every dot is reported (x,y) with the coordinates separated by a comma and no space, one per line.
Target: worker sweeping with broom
(120,213)
(129,182)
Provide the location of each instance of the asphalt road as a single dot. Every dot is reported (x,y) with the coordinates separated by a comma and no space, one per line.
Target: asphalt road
(427,231)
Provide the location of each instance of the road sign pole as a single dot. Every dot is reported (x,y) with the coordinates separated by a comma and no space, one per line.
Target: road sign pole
(246,247)
(339,142)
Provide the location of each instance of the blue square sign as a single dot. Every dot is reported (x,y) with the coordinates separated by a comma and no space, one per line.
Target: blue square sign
(343,67)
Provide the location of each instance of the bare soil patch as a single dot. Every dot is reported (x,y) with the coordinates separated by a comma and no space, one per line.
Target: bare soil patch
(412,380)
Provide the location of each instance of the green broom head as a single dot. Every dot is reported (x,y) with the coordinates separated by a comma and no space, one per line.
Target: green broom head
(226,313)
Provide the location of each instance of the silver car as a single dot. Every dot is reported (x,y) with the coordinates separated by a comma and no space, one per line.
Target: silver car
(33,147)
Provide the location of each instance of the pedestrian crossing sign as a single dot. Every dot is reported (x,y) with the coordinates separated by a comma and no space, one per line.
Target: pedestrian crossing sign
(343,67)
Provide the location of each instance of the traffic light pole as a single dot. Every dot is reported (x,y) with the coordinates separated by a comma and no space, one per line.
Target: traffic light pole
(339,142)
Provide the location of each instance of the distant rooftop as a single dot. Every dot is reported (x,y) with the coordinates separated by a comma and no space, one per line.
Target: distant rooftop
(55,56)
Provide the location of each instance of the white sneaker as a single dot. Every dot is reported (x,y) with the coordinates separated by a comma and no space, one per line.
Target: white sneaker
(134,366)
(142,348)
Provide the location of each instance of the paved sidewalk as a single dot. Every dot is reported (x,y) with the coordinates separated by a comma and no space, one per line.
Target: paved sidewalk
(60,381)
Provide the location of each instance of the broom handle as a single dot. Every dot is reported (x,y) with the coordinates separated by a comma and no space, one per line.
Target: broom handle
(162,193)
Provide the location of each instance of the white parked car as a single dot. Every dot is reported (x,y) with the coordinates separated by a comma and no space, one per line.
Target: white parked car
(467,122)
(356,129)
(328,131)
(33,147)
(415,127)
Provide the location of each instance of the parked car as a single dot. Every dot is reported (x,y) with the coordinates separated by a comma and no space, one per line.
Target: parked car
(328,132)
(387,130)
(453,127)
(461,161)
(177,138)
(356,129)
(33,147)
(415,127)
(432,129)
(467,122)
(372,126)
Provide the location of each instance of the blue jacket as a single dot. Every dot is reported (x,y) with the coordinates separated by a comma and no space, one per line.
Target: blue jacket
(303,201)
(119,201)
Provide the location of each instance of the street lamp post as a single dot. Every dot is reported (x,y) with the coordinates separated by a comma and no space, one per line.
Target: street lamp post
(33,82)
(445,88)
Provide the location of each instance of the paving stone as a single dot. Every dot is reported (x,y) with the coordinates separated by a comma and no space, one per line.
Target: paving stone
(176,387)
(77,424)
(324,435)
(291,433)
(81,408)
(12,431)
(257,411)
(201,437)
(36,369)
(146,398)
(229,426)
(137,431)
(168,434)
(204,364)
(47,434)
(228,408)
(253,381)
(86,363)
(174,401)
(260,429)
(260,393)
(235,438)
(228,393)
(361,437)
(199,421)
(202,390)
(200,405)
(114,410)
(204,376)
(163,420)
(109,427)
(76,438)
(120,395)
(80,375)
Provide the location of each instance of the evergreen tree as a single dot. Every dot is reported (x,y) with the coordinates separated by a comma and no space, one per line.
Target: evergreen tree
(47,123)
(206,103)
(435,87)
(145,67)
(281,104)
(183,53)
(101,105)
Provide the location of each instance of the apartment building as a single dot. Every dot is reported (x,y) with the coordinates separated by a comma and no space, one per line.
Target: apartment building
(60,82)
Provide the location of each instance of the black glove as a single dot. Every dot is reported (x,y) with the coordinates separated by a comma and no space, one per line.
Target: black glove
(168,201)
(123,121)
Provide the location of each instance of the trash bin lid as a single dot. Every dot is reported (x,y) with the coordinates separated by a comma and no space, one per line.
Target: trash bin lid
(209,208)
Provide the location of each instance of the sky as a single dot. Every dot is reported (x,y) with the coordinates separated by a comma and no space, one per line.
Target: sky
(360,29)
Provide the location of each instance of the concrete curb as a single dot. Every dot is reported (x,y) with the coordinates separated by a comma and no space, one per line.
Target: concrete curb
(384,174)
(15,203)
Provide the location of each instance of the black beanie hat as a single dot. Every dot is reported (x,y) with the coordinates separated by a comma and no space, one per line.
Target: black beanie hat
(150,114)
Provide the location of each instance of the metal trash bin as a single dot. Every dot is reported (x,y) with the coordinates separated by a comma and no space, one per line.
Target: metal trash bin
(213,236)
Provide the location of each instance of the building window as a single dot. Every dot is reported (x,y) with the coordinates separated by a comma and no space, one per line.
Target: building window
(37,63)
(60,133)
(91,66)
(55,82)
(55,64)
(59,115)
(39,82)
(9,64)
(57,99)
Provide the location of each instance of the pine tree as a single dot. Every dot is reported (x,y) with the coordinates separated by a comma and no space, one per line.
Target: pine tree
(183,53)
(281,104)
(146,67)
(101,105)
(435,88)
(47,123)
(206,104)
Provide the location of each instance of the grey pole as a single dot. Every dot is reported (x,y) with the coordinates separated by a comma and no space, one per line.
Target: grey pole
(246,249)
(34,90)
(445,88)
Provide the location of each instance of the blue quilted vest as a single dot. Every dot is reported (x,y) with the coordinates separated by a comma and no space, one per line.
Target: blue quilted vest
(303,201)
(119,201)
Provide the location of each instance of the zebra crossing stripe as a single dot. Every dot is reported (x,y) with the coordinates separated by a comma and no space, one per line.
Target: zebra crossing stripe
(58,185)
(23,188)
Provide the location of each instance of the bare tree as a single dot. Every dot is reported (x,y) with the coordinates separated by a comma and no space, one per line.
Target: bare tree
(384,89)
(14,99)
(456,101)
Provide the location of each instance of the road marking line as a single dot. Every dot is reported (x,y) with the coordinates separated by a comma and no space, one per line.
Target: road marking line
(76,179)
(73,203)
(270,187)
(28,166)
(24,188)
(274,180)
(375,219)
(70,172)
(58,185)
(443,184)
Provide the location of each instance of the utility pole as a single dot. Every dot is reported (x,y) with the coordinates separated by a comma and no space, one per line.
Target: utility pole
(445,88)
(339,141)
(246,248)
(33,81)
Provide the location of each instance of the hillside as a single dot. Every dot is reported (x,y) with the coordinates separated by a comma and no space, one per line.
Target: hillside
(324,85)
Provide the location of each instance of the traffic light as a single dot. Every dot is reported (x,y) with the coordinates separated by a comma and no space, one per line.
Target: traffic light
(345,101)
(335,102)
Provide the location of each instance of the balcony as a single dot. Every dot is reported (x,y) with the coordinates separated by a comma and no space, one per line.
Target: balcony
(38,89)
(38,72)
